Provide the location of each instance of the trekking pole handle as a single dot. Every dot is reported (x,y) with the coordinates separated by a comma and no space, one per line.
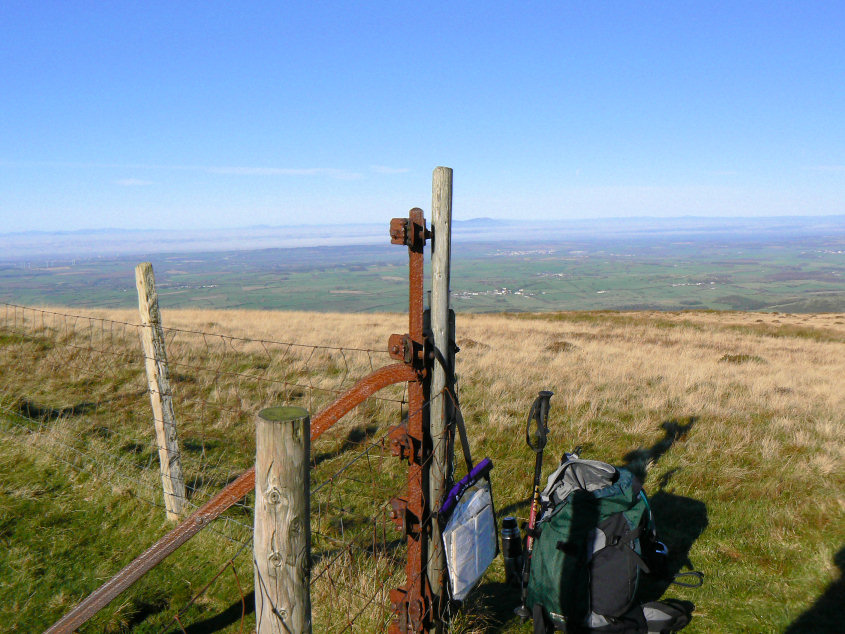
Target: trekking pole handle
(539,415)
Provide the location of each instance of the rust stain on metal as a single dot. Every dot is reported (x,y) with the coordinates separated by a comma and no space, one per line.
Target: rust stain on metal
(415,275)
(398,230)
(202,517)
(413,609)
(365,388)
(410,604)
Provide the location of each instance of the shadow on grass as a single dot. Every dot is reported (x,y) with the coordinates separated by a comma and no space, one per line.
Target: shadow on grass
(825,617)
(510,509)
(680,521)
(201,446)
(144,608)
(229,616)
(638,460)
(353,440)
(34,411)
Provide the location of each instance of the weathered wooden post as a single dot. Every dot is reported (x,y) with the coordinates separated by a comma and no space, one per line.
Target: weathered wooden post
(282,537)
(441,224)
(161,398)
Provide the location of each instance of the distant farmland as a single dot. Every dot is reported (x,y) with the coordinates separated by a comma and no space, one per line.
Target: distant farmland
(659,272)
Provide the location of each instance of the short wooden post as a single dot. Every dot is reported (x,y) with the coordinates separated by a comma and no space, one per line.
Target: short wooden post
(161,398)
(282,537)
(441,223)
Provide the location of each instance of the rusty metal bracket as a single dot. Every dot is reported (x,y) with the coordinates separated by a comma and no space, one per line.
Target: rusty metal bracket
(398,230)
(410,231)
(404,518)
(410,614)
(403,445)
(404,348)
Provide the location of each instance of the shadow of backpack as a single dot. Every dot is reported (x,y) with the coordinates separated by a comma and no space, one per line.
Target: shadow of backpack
(592,541)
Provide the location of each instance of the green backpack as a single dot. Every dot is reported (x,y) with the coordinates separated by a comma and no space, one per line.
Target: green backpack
(587,557)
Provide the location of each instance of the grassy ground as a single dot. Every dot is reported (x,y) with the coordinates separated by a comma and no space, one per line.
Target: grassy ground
(64,533)
(735,420)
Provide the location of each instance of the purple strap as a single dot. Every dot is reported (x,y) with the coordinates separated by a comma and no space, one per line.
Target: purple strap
(478,471)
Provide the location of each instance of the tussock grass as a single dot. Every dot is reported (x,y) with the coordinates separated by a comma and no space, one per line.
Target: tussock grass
(735,421)
(742,358)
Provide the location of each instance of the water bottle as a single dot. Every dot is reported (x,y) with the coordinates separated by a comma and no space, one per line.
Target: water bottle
(512,551)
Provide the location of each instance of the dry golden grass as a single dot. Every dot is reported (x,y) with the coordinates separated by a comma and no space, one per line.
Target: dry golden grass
(759,399)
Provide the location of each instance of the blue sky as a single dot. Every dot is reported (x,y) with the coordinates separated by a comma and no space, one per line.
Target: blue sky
(217,114)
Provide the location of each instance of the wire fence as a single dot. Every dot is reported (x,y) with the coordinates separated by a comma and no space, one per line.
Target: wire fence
(75,386)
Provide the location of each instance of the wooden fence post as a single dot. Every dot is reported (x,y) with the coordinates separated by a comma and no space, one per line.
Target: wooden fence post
(161,398)
(441,223)
(282,537)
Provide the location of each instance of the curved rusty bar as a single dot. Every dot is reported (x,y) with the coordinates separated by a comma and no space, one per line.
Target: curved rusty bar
(357,394)
(203,516)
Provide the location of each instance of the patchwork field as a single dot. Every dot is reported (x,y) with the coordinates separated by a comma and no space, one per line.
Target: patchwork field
(668,270)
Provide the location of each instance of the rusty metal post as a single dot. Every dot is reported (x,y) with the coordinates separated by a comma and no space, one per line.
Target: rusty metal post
(411,604)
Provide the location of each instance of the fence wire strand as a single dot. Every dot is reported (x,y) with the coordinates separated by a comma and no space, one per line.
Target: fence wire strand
(75,386)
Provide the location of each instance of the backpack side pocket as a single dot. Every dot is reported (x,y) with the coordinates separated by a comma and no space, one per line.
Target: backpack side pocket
(614,567)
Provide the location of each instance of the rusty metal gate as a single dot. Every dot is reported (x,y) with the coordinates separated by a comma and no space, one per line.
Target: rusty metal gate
(413,605)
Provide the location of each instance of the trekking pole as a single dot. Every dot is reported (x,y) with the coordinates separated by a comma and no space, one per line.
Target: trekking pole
(539,415)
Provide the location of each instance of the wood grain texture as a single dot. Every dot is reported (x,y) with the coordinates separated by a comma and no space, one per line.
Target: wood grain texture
(161,398)
(441,222)
(282,536)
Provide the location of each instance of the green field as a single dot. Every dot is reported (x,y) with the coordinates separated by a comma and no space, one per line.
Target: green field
(771,274)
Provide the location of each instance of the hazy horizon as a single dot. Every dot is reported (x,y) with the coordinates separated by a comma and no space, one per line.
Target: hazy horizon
(153,115)
(109,242)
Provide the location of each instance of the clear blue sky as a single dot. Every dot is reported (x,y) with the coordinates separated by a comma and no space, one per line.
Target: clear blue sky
(215,114)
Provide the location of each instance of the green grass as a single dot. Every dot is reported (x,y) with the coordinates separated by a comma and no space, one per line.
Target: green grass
(766,549)
(738,493)
(65,531)
(80,495)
